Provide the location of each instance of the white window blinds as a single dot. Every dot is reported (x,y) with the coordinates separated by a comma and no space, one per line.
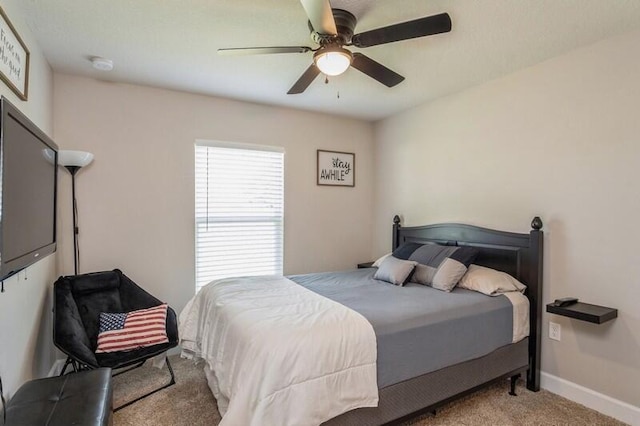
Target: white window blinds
(239,211)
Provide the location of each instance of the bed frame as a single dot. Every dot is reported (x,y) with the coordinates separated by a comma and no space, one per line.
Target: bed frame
(520,255)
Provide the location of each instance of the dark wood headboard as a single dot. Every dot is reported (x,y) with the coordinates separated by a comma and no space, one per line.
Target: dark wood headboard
(519,255)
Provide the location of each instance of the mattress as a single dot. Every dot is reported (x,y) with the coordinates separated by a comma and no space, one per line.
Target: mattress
(419,329)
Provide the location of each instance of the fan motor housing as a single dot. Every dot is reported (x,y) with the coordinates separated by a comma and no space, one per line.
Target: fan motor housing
(345,25)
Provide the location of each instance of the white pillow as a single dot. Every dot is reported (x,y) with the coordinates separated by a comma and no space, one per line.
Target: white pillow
(489,281)
(380,260)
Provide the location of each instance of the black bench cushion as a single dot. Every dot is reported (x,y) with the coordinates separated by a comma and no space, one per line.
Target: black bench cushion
(83,398)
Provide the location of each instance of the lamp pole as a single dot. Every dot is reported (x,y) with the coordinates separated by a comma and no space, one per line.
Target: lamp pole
(74,207)
(74,161)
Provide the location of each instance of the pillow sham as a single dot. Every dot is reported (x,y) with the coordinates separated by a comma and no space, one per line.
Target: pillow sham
(440,267)
(132,330)
(490,281)
(394,270)
(405,250)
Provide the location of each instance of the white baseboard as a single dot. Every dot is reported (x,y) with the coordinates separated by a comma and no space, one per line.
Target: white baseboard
(617,409)
(56,368)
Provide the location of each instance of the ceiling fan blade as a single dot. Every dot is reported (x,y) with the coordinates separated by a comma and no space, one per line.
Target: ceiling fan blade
(320,16)
(376,70)
(305,80)
(429,25)
(235,51)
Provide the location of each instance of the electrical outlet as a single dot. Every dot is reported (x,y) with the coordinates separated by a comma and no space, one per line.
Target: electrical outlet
(554,331)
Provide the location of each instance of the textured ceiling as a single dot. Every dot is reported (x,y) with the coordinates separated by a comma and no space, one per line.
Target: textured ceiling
(173,43)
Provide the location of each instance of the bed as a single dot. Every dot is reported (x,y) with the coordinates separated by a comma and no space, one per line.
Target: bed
(404,385)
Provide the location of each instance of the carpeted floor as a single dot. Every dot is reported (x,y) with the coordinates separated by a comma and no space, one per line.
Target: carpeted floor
(189,402)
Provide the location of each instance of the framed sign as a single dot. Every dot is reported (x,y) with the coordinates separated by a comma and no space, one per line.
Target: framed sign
(336,168)
(14,58)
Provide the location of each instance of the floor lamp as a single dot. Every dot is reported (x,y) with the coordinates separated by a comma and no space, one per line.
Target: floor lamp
(74,161)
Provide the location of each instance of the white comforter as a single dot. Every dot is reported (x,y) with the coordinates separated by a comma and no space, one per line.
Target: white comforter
(280,354)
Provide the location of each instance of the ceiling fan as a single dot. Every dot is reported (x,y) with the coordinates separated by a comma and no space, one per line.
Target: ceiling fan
(332,29)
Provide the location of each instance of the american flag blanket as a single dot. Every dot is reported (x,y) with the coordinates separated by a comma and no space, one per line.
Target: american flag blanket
(132,330)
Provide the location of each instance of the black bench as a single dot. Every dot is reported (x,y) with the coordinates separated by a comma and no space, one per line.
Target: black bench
(83,398)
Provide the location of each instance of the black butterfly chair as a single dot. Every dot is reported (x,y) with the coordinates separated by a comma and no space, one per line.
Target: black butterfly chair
(78,302)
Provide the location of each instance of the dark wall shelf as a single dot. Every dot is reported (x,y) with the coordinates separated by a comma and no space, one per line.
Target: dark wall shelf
(584,312)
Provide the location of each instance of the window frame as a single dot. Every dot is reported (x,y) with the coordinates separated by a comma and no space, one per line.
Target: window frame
(199,219)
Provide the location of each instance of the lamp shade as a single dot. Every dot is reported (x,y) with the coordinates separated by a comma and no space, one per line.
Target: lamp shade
(68,158)
(333,60)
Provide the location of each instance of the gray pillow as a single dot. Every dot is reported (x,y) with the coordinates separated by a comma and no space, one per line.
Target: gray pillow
(394,270)
(441,266)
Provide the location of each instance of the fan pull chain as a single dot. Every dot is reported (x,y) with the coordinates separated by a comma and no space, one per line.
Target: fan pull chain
(326,81)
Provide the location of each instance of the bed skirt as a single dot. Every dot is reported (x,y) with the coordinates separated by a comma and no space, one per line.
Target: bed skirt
(431,389)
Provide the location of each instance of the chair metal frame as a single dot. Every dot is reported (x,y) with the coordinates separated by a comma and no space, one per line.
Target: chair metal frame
(78,366)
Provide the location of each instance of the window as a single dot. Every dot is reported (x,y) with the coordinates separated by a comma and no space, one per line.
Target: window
(239,210)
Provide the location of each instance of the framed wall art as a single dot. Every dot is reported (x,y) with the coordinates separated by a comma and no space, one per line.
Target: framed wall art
(336,168)
(14,58)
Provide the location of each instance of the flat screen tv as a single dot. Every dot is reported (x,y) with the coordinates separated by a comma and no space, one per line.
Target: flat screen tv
(28,183)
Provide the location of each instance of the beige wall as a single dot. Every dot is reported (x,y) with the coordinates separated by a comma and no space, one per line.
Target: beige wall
(136,200)
(559,140)
(26,347)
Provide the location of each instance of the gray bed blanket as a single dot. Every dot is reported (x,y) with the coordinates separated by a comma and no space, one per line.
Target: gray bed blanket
(418,329)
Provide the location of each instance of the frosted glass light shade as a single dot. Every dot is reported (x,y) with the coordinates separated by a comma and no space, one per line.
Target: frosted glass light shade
(333,61)
(68,158)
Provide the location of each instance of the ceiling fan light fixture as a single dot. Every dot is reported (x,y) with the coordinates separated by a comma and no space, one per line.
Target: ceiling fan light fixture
(333,60)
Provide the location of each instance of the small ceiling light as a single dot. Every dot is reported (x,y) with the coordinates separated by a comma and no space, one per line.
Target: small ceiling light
(333,60)
(102,64)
